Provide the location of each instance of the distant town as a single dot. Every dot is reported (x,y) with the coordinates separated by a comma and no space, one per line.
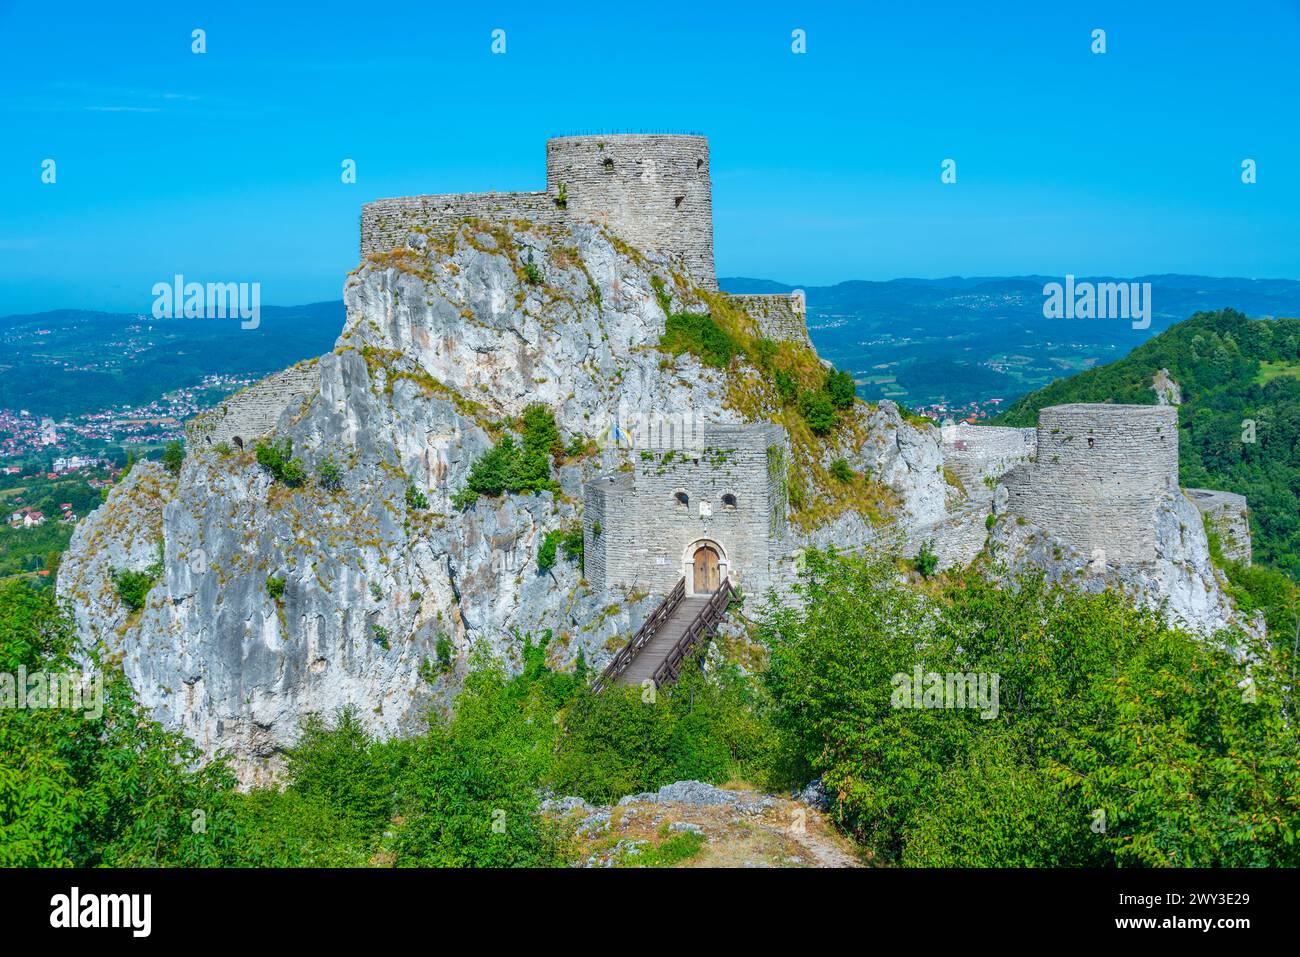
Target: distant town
(25,434)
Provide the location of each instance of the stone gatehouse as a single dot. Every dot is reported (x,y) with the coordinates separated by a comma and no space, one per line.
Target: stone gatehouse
(710,513)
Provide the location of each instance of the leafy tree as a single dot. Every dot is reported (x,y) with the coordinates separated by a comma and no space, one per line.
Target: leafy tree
(1117,740)
(342,767)
(102,785)
(841,389)
(173,457)
(818,411)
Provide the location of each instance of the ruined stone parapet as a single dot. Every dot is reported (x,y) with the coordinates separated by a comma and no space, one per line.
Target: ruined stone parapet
(978,454)
(386,223)
(782,318)
(1099,473)
(1228,515)
(651,190)
(253,412)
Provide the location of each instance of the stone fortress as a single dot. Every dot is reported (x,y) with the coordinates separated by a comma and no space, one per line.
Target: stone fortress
(1091,476)
(651,190)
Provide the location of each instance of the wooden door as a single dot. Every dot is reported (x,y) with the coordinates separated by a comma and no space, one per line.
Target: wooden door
(706,571)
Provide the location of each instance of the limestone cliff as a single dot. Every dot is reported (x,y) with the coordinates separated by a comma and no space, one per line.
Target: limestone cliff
(276,601)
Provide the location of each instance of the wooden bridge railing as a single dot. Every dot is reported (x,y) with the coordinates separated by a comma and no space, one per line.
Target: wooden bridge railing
(627,654)
(703,625)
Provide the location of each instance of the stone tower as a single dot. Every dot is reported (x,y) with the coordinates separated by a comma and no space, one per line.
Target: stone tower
(1098,474)
(652,190)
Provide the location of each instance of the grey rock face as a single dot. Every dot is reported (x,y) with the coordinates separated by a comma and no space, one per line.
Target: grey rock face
(433,353)
(1181,581)
(442,342)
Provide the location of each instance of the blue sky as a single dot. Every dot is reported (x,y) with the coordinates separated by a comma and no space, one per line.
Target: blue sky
(225,166)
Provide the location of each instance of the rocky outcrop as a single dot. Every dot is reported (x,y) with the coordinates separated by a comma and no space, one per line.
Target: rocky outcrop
(1181,581)
(275,601)
(1168,392)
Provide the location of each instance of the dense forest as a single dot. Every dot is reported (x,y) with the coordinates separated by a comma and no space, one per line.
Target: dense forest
(1240,417)
(1118,741)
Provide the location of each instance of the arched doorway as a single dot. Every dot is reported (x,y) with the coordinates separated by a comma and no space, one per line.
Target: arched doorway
(705,571)
(714,566)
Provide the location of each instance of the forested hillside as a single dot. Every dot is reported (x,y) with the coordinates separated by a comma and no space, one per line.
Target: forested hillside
(1240,418)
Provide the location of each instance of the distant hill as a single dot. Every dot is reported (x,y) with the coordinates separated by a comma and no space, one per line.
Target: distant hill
(1233,371)
(970,339)
(70,361)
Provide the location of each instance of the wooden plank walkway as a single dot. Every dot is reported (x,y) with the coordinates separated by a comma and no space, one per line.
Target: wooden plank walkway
(647,662)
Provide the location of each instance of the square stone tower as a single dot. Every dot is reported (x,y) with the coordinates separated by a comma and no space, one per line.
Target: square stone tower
(642,528)
(653,190)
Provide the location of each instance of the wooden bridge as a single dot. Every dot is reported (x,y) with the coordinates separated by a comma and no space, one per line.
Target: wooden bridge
(659,648)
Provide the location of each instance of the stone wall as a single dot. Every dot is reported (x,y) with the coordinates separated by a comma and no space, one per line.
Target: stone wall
(722,492)
(1098,475)
(783,318)
(977,452)
(1229,517)
(652,190)
(253,412)
(386,223)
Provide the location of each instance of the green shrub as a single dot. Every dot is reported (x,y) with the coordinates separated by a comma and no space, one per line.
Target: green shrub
(275,587)
(700,335)
(173,457)
(616,743)
(546,552)
(443,649)
(841,389)
(329,475)
(569,538)
(818,412)
(132,587)
(342,767)
(531,273)
(841,471)
(467,795)
(512,467)
(786,387)
(541,436)
(926,560)
(416,499)
(278,460)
